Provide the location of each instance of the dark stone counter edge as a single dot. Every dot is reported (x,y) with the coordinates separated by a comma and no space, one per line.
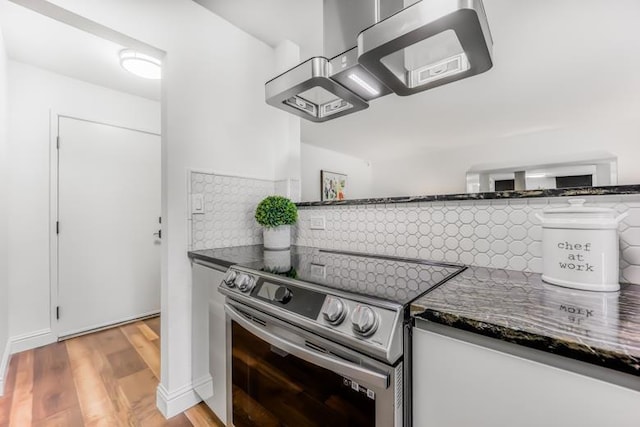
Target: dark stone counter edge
(213,260)
(606,358)
(498,195)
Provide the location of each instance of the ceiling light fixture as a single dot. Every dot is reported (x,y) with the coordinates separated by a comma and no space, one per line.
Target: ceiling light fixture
(141,65)
(364,84)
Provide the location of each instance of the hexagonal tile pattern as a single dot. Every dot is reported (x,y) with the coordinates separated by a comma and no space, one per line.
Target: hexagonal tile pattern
(230,203)
(483,233)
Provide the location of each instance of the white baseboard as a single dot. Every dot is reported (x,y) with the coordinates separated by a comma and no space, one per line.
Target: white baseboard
(204,387)
(172,403)
(4,365)
(32,340)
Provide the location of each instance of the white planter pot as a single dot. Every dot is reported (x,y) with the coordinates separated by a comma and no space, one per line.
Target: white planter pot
(580,247)
(277,238)
(277,261)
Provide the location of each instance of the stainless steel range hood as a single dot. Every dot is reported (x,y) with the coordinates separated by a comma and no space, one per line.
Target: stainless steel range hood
(428,44)
(330,86)
(380,46)
(308,91)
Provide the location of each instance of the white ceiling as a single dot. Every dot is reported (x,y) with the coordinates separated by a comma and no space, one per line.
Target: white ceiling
(273,21)
(557,63)
(46,43)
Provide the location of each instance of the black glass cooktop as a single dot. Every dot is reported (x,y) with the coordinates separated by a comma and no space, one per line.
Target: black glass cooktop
(398,280)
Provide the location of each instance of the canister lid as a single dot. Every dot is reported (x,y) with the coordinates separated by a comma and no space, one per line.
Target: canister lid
(576,215)
(577,207)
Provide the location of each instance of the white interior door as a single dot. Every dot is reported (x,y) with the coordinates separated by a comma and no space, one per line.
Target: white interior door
(108,212)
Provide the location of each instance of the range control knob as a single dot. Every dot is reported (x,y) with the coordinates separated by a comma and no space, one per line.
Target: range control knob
(283,295)
(334,310)
(246,283)
(364,321)
(230,279)
(241,280)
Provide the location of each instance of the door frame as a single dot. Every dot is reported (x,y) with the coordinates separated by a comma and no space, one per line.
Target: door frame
(54,175)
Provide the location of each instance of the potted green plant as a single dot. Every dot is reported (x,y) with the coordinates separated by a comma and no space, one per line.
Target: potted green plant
(276,214)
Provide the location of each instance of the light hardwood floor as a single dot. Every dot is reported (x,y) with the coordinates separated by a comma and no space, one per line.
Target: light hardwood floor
(108,378)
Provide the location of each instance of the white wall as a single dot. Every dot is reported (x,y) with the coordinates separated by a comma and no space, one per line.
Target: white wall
(214,118)
(314,159)
(32,93)
(4,294)
(287,166)
(444,171)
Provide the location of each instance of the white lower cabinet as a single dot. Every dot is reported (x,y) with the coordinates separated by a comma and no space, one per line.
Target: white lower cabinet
(209,373)
(459,384)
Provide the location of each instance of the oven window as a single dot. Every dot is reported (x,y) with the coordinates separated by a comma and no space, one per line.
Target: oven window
(270,389)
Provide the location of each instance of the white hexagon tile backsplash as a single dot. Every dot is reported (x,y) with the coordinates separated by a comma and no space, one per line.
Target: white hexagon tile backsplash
(497,233)
(485,233)
(229,206)
(227,218)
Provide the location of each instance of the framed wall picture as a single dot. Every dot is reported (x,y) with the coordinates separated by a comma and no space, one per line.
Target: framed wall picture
(332,185)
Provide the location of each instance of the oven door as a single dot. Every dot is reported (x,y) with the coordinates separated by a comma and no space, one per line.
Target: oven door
(280,375)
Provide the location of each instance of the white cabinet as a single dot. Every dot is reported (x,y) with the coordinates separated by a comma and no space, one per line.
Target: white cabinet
(459,384)
(209,339)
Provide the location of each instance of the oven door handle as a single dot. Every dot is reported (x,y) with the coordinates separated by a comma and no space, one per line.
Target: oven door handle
(339,366)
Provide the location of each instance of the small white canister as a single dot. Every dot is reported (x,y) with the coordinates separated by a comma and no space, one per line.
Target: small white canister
(580,247)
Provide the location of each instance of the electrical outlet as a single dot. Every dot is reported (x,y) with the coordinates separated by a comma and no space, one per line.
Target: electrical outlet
(318,223)
(197,204)
(319,271)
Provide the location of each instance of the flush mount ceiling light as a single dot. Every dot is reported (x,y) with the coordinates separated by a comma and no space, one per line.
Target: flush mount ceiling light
(141,65)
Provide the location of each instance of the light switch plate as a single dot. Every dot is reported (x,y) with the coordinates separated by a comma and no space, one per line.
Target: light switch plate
(197,204)
(318,223)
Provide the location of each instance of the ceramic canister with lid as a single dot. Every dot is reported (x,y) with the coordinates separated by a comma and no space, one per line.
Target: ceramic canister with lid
(580,247)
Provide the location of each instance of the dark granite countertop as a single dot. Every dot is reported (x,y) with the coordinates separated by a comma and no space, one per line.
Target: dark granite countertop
(594,327)
(526,194)
(517,307)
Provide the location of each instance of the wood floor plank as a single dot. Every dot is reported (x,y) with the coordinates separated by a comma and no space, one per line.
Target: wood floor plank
(147,344)
(119,402)
(71,417)
(179,420)
(92,395)
(53,386)
(148,333)
(5,401)
(125,362)
(201,416)
(22,403)
(139,389)
(144,347)
(108,379)
(154,324)
(111,340)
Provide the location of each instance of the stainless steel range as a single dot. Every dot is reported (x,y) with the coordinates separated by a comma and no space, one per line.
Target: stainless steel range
(323,338)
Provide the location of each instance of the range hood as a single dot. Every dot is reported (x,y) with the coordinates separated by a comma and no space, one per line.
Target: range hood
(381,46)
(308,91)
